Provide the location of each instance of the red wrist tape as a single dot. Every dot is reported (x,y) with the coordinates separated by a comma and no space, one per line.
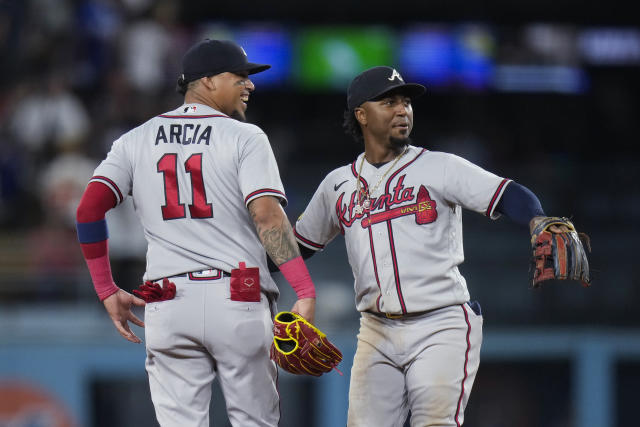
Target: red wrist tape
(100,271)
(297,274)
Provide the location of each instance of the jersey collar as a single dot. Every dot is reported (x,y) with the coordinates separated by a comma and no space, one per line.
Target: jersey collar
(196,109)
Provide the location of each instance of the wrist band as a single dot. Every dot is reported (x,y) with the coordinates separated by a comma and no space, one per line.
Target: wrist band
(100,271)
(297,274)
(91,232)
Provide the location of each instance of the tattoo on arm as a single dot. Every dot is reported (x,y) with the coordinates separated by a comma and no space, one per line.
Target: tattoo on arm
(277,239)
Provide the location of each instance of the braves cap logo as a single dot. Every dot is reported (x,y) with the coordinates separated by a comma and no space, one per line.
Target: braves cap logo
(242,49)
(395,75)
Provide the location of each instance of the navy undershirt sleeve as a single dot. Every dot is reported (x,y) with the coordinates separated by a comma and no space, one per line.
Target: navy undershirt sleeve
(519,204)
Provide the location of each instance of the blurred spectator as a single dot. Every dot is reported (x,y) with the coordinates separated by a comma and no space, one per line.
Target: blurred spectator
(11,182)
(56,263)
(62,183)
(55,259)
(98,24)
(51,17)
(49,113)
(146,47)
(12,16)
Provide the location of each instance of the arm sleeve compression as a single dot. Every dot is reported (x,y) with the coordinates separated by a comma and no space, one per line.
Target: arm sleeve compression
(96,201)
(519,204)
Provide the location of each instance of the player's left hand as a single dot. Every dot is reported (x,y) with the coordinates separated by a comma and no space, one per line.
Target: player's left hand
(118,306)
(555,228)
(305,307)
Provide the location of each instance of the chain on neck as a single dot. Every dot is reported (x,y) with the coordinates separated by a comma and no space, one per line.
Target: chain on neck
(367,197)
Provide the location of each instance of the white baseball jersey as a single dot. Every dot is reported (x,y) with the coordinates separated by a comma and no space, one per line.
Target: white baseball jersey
(191,173)
(405,250)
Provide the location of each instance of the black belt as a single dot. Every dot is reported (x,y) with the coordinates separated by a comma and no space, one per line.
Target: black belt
(475,306)
(398,316)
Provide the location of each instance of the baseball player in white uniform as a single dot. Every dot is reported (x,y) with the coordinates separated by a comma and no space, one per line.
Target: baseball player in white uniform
(399,208)
(207,190)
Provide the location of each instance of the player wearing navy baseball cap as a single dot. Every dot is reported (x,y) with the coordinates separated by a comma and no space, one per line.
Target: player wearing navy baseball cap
(376,82)
(216,72)
(210,57)
(208,193)
(372,85)
(399,208)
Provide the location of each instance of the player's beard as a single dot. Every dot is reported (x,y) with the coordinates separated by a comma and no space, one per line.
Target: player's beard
(398,144)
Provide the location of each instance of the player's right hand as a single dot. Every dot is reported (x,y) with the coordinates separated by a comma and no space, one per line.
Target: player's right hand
(118,306)
(306,307)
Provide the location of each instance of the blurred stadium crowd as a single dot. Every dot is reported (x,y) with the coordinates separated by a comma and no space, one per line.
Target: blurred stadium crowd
(77,74)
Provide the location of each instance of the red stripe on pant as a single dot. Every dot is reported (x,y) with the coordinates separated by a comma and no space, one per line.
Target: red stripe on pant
(466,361)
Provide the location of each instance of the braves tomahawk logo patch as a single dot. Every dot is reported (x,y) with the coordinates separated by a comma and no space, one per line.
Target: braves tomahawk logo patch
(424,209)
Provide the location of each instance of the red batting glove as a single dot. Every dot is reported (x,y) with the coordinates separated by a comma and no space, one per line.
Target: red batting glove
(152,292)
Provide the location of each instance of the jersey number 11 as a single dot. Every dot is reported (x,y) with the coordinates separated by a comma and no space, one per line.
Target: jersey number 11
(172,208)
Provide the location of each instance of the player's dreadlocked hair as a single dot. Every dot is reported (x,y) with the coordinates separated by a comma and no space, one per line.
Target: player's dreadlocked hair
(351,126)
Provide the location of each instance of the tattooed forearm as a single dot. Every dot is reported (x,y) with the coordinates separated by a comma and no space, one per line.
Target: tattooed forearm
(276,235)
(279,243)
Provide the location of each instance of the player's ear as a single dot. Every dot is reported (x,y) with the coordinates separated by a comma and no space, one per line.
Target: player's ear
(209,82)
(361,116)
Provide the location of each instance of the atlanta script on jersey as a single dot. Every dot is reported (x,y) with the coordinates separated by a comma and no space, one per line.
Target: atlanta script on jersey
(419,205)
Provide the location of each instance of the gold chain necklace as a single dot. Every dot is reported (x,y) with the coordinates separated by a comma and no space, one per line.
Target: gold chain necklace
(365,204)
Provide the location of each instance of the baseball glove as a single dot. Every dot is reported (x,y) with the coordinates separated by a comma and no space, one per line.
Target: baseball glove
(560,256)
(300,348)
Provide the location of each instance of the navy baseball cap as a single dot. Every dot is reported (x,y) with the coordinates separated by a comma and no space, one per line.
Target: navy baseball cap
(211,57)
(377,81)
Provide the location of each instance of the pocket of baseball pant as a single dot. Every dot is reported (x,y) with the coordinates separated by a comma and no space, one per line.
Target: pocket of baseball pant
(245,284)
